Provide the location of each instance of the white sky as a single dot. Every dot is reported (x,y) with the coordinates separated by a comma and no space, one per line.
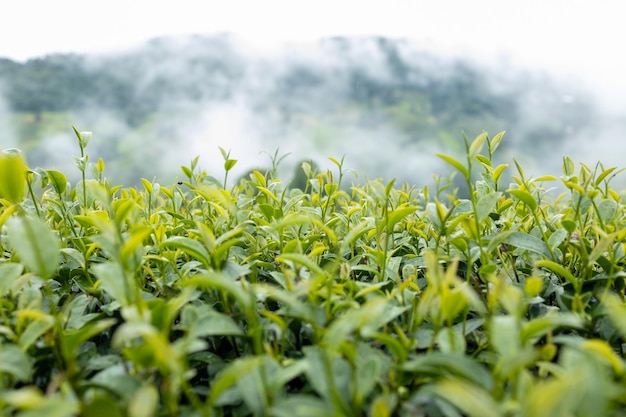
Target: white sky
(575,37)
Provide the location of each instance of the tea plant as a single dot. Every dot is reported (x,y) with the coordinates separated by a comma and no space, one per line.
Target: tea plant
(258,299)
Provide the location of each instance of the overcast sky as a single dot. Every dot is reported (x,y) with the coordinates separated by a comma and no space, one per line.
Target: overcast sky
(574,37)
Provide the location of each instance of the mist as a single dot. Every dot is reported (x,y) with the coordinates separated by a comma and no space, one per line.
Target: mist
(334,98)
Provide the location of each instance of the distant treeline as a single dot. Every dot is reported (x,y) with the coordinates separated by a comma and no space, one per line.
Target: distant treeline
(415,90)
(340,82)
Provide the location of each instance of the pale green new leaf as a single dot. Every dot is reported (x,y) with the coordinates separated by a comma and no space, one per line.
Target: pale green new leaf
(145,402)
(558,269)
(477,145)
(456,164)
(526,197)
(54,405)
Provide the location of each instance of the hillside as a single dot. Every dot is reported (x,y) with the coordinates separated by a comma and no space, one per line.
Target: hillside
(175,98)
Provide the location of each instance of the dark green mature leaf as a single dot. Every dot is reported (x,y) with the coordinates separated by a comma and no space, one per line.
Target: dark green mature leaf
(36,245)
(528,242)
(446,365)
(486,204)
(74,338)
(101,406)
(58,180)
(116,379)
(231,374)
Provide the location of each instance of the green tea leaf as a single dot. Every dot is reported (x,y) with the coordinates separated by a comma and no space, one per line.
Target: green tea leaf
(504,335)
(497,172)
(54,405)
(303,405)
(74,338)
(397,215)
(477,145)
(607,210)
(9,273)
(568,166)
(568,225)
(36,245)
(145,402)
(223,282)
(12,177)
(58,180)
(472,400)
(35,330)
(526,197)
(302,260)
(101,406)
(15,362)
(214,323)
(486,204)
(495,141)
(231,374)
(447,365)
(456,164)
(229,164)
(557,238)
(528,242)
(189,246)
(558,269)
(114,280)
(604,174)
(367,374)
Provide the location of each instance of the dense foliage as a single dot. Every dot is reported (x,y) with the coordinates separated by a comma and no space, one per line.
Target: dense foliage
(262,299)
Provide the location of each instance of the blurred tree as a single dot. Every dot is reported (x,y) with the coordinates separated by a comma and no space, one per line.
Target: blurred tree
(53,83)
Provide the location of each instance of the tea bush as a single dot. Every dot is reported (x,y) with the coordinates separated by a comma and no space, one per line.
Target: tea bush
(200,299)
